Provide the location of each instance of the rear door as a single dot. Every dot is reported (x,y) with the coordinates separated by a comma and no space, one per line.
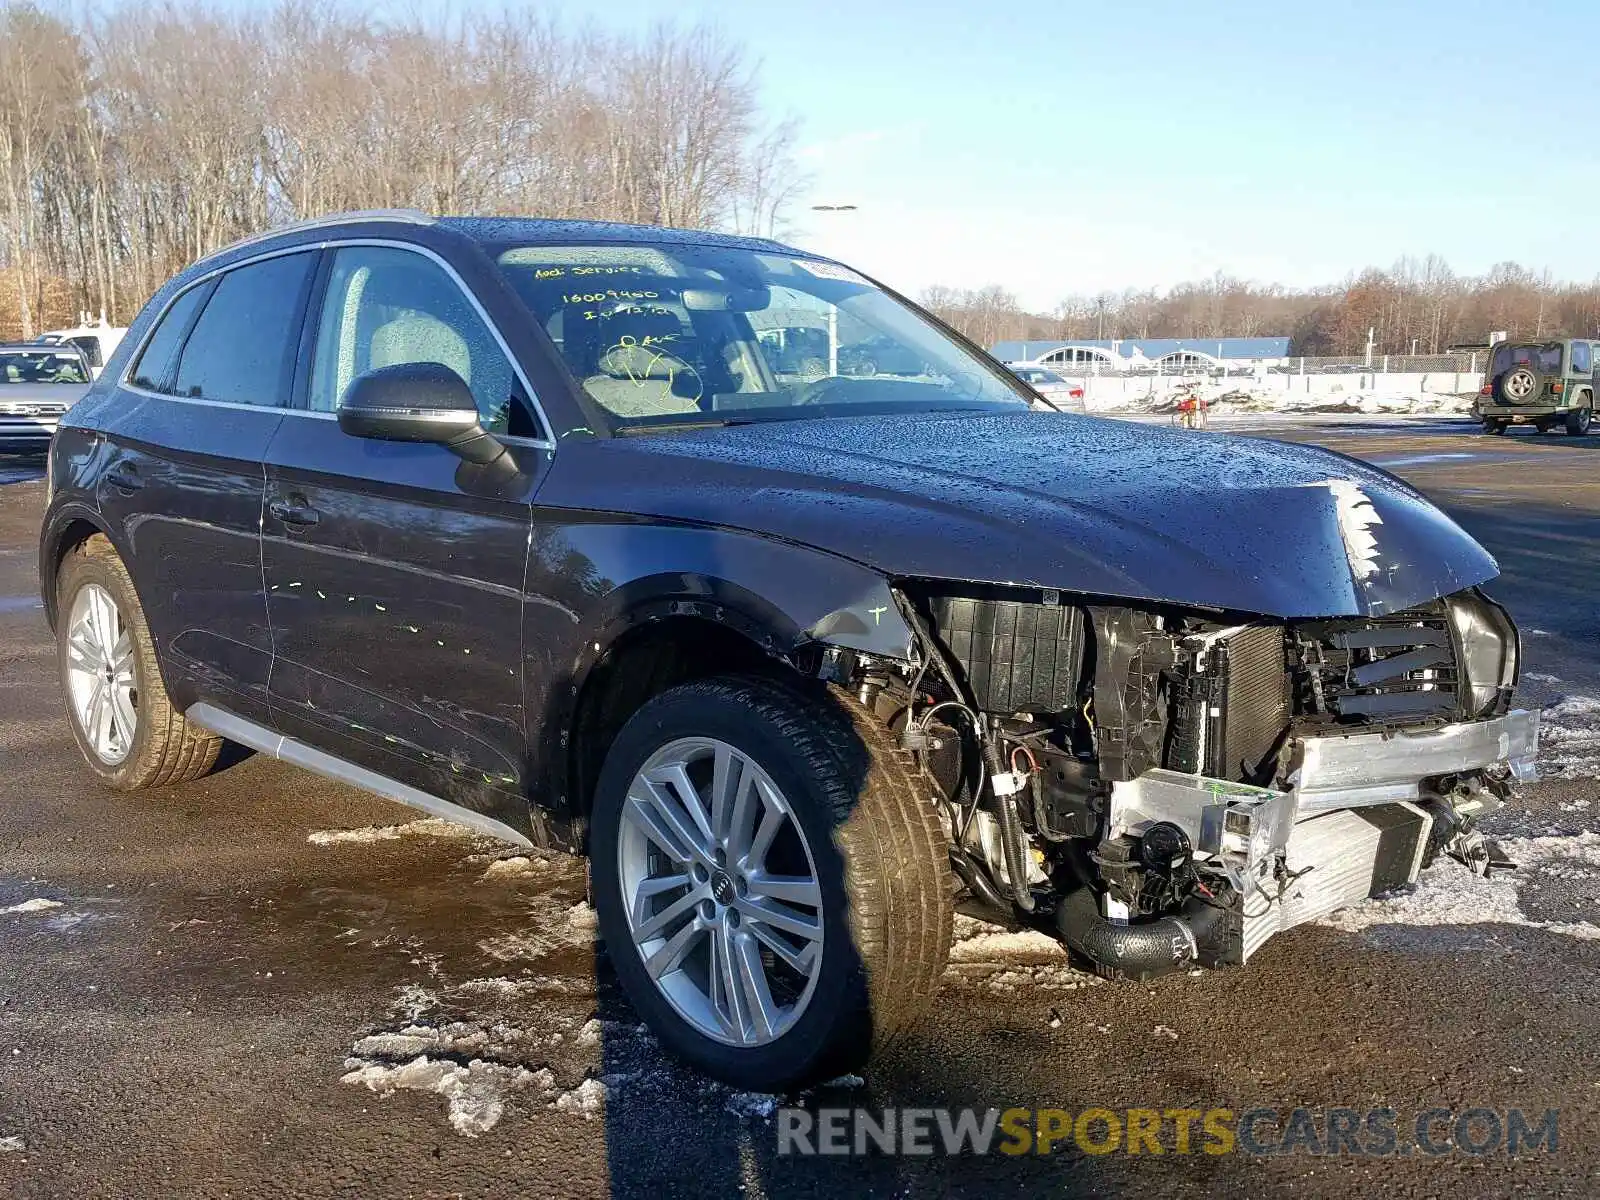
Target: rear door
(394,571)
(184,478)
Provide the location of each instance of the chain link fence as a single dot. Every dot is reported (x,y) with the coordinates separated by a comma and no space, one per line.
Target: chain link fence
(1462,363)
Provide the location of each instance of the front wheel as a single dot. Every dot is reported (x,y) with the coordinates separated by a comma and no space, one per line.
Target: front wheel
(771,883)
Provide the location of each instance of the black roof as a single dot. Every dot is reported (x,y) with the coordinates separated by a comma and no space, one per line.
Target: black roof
(549,232)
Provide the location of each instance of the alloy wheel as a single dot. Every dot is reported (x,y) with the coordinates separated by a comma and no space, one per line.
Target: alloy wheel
(100,676)
(721,891)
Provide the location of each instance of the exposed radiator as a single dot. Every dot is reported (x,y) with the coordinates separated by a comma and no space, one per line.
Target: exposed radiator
(1255,711)
(1229,716)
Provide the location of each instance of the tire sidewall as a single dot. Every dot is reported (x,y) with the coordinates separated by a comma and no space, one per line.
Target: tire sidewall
(78,572)
(837,1018)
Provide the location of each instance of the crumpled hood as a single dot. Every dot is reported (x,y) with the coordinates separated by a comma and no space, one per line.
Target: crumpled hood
(1102,507)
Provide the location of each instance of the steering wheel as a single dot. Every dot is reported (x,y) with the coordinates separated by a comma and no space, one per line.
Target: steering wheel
(817,390)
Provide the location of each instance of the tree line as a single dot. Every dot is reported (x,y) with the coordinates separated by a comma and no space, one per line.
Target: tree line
(136,140)
(1416,306)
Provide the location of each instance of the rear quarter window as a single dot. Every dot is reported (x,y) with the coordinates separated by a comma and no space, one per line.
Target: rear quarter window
(1581,358)
(153,371)
(241,350)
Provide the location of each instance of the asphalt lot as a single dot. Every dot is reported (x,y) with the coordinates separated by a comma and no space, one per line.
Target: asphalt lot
(264,984)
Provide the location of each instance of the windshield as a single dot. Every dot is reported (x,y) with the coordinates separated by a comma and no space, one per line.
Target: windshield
(675,335)
(1544,359)
(41,366)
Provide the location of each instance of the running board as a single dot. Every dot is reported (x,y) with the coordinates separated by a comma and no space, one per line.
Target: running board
(285,749)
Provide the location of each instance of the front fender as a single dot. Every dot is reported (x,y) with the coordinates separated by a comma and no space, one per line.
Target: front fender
(593,582)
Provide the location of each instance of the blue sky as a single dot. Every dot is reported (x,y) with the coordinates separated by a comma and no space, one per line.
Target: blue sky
(1072,147)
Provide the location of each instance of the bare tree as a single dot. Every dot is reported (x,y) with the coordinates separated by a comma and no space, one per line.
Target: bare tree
(135,141)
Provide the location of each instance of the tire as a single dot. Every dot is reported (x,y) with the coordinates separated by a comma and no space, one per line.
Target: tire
(1518,385)
(881,868)
(1492,426)
(163,748)
(1578,422)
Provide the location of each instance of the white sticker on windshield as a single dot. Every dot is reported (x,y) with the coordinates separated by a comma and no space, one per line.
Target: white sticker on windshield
(828,270)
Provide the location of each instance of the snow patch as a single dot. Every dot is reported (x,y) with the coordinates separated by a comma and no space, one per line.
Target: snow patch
(520,867)
(427,827)
(1004,959)
(759,1105)
(37,904)
(1448,894)
(553,926)
(1569,738)
(1243,398)
(12,1145)
(587,1100)
(475,1094)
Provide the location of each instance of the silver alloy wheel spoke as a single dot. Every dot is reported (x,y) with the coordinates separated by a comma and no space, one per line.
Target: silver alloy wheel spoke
(715,928)
(101,682)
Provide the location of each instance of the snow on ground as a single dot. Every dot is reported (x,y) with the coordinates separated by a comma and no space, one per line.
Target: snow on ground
(1569,738)
(1002,959)
(1447,894)
(480,1060)
(1244,397)
(551,925)
(518,867)
(427,827)
(37,904)
(475,1094)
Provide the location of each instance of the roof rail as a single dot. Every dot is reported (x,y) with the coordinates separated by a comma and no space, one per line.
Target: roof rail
(410,216)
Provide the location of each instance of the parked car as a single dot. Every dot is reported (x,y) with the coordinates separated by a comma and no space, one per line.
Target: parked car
(1543,384)
(37,386)
(880,355)
(97,340)
(511,521)
(1059,392)
(795,350)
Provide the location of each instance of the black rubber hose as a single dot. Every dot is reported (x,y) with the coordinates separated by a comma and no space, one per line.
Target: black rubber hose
(1141,951)
(1012,843)
(972,874)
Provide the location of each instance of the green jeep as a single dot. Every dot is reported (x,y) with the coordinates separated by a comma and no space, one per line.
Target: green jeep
(1540,384)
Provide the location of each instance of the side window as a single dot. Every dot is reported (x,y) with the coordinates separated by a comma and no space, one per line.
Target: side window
(386,306)
(153,371)
(241,350)
(1581,363)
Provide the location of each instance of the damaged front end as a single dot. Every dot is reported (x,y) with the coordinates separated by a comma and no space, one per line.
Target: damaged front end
(1167,787)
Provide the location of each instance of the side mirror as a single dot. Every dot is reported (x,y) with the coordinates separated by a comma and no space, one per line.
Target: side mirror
(417,402)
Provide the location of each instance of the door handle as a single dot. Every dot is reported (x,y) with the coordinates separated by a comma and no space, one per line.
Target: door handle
(292,513)
(123,479)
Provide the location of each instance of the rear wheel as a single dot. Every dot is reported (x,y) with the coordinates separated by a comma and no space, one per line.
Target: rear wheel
(130,734)
(1492,426)
(1578,422)
(771,883)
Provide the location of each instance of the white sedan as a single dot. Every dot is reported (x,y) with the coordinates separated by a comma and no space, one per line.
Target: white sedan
(1058,391)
